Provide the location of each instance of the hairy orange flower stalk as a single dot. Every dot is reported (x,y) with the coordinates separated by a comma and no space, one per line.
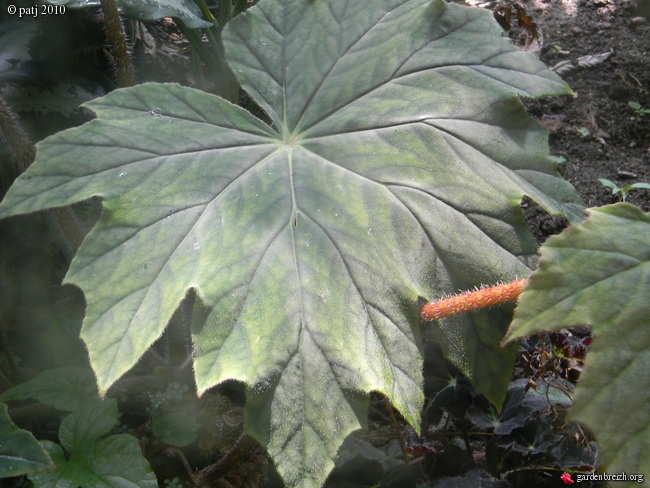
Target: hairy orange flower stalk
(472,300)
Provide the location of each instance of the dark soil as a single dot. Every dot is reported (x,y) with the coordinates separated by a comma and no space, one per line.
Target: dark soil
(596,131)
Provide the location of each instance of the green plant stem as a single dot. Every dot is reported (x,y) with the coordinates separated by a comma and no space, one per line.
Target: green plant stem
(117,41)
(200,48)
(225,12)
(240,6)
(225,83)
(207,15)
(197,69)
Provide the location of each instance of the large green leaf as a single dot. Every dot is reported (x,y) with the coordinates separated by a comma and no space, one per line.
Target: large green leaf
(393,170)
(20,452)
(598,273)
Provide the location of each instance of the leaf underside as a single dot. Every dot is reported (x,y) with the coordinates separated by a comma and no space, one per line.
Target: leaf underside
(598,273)
(393,170)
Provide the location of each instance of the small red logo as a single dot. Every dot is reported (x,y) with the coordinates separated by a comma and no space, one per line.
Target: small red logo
(566,477)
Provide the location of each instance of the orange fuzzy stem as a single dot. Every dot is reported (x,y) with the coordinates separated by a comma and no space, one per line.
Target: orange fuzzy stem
(472,300)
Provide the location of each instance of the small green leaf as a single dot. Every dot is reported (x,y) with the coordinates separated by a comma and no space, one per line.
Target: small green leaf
(114,462)
(645,186)
(85,425)
(635,105)
(66,389)
(20,452)
(558,159)
(117,461)
(609,184)
(598,273)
